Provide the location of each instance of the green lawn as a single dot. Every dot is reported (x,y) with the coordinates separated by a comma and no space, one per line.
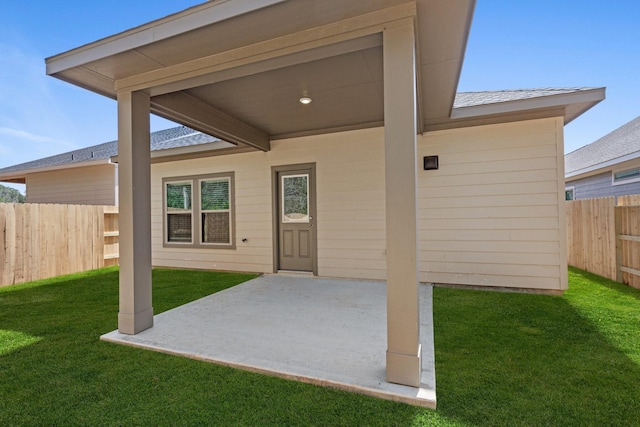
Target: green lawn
(501,359)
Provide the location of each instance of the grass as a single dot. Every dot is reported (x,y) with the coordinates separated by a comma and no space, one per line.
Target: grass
(501,359)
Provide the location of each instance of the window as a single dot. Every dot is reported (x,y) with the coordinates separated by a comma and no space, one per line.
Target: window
(179,212)
(214,208)
(569,193)
(199,211)
(626,176)
(295,200)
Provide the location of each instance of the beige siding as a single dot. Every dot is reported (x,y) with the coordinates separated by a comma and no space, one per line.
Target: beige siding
(490,216)
(93,185)
(350,205)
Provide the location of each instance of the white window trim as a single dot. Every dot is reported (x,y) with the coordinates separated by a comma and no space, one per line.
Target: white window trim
(623,181)
(196,212)
(571,188)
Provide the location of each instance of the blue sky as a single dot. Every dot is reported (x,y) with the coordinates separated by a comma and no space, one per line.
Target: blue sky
(512,45)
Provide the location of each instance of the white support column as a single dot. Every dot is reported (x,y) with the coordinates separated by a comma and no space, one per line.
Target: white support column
(403,305)
(134,180)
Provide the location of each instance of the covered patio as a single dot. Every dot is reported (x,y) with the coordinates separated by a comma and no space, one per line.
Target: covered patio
(327,332)
(236,70)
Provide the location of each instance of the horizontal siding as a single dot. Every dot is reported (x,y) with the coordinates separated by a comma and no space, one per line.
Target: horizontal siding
(601,186)
(505,236)
(92,185)
(496,280)
(350,205)
(489,216)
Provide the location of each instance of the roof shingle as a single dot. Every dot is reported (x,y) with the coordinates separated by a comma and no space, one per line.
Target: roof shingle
(180,136)
(473,99)
(621,142)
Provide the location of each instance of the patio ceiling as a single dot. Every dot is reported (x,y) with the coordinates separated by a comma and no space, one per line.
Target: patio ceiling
(236,69)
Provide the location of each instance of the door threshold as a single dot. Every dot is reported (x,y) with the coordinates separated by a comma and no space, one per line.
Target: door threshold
(296,273)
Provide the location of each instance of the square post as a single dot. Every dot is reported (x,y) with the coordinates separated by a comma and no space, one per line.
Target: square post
(404,364)
(134,180)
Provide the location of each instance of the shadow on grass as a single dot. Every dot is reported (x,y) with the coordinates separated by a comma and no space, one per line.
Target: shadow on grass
(513,359)
(610,284)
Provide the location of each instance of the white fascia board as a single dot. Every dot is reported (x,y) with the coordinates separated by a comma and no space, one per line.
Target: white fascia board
(603,165)
(549,101)
(25,172)
(164,28)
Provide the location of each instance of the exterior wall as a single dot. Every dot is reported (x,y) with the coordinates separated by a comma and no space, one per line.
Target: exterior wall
(92,185)
(601,186)
(493,214)
(350,205)
(489,216)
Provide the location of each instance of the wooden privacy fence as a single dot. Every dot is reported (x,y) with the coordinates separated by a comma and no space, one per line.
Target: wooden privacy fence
(38,241)
(604,238)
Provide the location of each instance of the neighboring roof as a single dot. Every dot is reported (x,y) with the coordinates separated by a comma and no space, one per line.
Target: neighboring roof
(167,139)
(616,147)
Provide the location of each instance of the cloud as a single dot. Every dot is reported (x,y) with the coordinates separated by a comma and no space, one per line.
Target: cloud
(34,120)
(25,135)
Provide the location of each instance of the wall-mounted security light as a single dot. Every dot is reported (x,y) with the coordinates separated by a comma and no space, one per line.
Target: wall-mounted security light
(430,163)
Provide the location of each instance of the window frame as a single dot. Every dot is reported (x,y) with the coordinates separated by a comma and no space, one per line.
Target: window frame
(184,212)
(206,211)
(624,180)
(571,189)
(304,220)
(197,211)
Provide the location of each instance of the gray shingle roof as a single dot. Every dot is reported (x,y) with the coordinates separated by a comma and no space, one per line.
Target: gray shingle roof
(473,99)
(621,142)
(180,136)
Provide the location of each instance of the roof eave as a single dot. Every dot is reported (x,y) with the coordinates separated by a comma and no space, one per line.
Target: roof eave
(187,20)
(443,64)
(581,101)
(22,174)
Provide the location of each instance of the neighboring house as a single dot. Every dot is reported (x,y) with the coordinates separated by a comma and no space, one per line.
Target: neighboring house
(373,174)
(609,166)
(89,176)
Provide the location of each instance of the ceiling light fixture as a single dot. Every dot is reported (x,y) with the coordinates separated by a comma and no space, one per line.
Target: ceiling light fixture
(305,100)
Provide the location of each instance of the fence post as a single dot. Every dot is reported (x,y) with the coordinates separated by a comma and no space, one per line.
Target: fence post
(618,233)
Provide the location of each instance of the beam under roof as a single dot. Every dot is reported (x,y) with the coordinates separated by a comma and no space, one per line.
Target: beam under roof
(205,118)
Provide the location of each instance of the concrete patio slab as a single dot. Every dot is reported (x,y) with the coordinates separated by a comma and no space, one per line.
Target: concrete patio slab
(327,332)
